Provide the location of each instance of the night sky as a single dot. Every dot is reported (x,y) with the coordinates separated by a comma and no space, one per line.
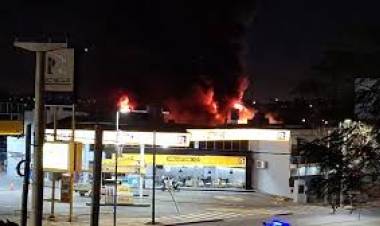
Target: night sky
(159,49)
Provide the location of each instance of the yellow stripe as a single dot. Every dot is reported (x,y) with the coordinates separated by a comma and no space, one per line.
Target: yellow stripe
(132,160)
(11,127)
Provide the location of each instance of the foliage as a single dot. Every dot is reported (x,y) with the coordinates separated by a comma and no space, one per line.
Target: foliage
(349,159)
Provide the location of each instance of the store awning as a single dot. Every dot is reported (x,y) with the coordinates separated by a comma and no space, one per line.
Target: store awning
(11,127)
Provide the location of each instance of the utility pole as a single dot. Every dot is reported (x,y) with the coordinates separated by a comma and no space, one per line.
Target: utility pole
(39,125)
(97,171)
(52,217)
(72,173)
(39,129)
(24,206)
(154,179)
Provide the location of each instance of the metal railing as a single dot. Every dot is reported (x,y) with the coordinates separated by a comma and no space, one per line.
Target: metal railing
(11,111)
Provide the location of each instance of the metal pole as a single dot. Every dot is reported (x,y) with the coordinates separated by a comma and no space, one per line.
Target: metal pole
(116,159)
(38,185)
(24,206)
(72,173)
(97,171)
(55,122)
(142,163)
(154,180)
(52,217)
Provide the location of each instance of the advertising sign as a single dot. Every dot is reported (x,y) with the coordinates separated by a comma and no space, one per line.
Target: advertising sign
(57,157)
(62,157)
(59,70)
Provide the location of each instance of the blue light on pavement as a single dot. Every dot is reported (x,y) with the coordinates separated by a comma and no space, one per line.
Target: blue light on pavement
(276,222)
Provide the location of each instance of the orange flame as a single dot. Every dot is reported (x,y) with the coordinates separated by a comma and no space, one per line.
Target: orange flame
(124,104)
(202,106)
(245,113)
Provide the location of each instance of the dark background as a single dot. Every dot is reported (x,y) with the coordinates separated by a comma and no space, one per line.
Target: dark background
(159,49)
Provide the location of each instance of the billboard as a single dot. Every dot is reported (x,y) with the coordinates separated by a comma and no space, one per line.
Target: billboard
(59,70)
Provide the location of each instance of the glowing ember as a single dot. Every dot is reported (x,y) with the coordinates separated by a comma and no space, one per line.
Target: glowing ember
(239,106)
(245,113)
(124,104)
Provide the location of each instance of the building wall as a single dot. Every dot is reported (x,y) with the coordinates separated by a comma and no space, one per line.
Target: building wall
(15,152)
(275,178)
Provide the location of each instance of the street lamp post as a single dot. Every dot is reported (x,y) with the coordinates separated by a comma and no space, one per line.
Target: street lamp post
(122,108)
(117,150)
(154,179)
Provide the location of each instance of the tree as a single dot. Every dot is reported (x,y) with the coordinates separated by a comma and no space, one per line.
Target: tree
(348,160)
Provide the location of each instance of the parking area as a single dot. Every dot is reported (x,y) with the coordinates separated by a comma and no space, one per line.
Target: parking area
(218,207)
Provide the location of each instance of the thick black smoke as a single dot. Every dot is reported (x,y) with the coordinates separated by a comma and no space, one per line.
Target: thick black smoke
(160,49)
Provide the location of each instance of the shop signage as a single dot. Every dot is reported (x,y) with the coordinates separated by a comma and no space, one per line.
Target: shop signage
(128,162)
(164,139)
(136,138)
(239,134)
(11,127)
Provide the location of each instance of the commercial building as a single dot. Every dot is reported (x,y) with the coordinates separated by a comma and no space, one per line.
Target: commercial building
(232,156)
(243,158)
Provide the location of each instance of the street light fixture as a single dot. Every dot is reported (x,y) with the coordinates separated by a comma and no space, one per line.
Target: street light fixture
(123,108)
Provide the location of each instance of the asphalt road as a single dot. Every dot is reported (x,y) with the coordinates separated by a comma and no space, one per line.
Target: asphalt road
(229,208)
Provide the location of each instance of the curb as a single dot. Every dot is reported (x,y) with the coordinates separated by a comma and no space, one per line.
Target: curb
(192,222)
(123,204)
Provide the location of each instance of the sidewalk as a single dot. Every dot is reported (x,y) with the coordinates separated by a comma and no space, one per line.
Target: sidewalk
(216,189)
(341,219)
(354,223)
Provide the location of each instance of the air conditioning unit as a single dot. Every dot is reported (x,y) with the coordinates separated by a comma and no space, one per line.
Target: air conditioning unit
(260,164)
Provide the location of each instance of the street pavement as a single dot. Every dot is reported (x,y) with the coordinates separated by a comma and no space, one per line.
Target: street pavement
(208,208)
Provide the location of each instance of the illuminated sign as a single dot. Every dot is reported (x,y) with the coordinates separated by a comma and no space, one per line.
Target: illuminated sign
(81,136)
(62,157)
(57,157)
(123,137)
(239,134)
(11,127)
(167,139)
(127,162)
(136,138)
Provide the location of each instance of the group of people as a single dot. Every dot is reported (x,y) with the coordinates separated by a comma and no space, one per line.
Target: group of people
(168,183)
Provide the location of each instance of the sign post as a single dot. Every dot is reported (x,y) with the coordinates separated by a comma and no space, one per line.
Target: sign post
(59,71)
(39,129)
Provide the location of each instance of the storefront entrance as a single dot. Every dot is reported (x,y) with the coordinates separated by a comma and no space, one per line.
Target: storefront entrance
(187,170)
